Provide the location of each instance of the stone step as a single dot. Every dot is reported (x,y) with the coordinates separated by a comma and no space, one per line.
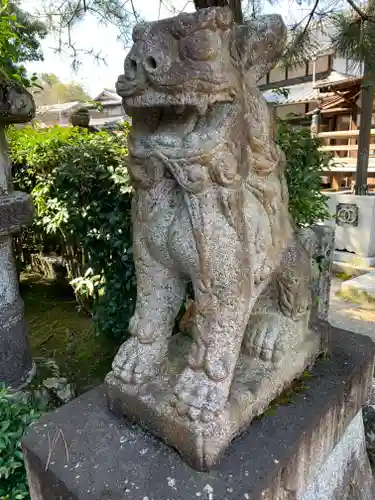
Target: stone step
(360,289)
(351,270)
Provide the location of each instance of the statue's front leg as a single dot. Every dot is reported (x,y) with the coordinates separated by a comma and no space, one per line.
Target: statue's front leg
(159,297)
(221,317)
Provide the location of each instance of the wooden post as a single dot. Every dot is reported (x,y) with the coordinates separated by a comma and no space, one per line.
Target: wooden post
(367,95)
(273,120)
(315,122)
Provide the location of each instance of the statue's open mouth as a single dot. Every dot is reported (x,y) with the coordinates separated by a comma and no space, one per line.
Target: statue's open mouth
(177,99)
(180,123)
(176,103)
(177,116)
(173,120)
(180,130)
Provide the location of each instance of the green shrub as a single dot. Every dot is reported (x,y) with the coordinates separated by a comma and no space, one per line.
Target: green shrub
(304,163)
(17,411)
(80,187)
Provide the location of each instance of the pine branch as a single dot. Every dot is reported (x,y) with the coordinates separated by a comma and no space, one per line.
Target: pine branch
(311,15)
(358,10)
(134,11)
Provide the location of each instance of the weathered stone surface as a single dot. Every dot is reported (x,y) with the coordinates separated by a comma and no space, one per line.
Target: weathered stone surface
(210,208)
(16,366)
(16,211)
(369,425)
(346,474)
(284,456)
(15,358)
(319,240)
(16,104)
(323,251)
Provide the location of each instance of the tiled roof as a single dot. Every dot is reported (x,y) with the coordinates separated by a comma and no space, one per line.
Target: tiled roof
(107,120)
(57,108)
(335,78)
(110,93)
(303,92)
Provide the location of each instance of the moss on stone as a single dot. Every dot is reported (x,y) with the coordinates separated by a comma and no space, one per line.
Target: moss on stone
(58,330)
(343,276)
(287,396)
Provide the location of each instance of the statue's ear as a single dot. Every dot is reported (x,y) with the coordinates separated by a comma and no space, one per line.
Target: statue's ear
(139,30)
(259,44)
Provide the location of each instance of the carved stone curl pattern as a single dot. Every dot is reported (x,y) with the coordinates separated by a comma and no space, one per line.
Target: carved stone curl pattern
(210,208)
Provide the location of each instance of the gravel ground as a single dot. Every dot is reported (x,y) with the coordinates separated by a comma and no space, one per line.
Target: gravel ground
(349,316)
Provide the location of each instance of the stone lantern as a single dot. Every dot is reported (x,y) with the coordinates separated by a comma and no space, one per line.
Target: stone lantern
(16,366)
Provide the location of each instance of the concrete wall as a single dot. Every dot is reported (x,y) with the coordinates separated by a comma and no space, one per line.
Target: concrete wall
(297,72)
(321,65)
(277,75)
(284,111)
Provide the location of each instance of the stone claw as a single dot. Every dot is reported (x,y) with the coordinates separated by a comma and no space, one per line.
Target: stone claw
(270,337)
(198,396)
(136,362)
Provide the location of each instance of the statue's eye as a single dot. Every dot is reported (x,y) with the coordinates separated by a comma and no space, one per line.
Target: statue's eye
(202,45)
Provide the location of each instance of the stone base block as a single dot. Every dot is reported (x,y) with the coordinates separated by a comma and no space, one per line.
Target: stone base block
(346,474)
(256,383)
(353,259)
(15,357)
(312,449)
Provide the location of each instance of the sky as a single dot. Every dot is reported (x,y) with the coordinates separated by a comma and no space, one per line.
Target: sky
(94,76)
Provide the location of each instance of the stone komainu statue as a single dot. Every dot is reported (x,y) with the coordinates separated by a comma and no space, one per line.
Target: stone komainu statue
(211,208)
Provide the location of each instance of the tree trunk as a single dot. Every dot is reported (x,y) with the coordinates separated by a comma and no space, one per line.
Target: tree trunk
(367,95)
(235,6)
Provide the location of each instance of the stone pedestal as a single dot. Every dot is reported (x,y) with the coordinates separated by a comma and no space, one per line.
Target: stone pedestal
(312,449)
(354,218)
(16,106)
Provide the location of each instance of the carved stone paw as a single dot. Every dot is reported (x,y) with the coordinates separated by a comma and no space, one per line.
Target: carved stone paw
(136,362)
(198,396)
(270,336)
